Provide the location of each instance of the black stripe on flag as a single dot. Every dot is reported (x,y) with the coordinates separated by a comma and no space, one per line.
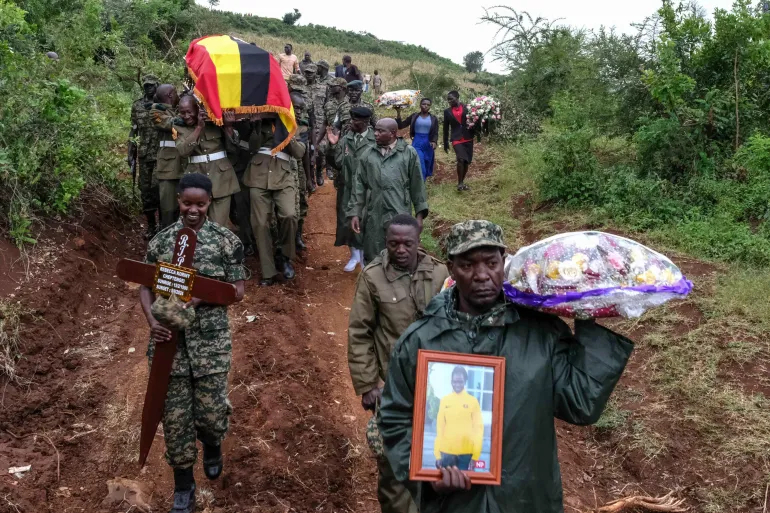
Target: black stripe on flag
(255,73)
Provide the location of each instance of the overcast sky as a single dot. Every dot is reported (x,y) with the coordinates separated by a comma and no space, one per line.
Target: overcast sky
(450,32)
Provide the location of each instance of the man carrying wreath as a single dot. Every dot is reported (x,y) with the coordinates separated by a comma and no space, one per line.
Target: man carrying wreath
(550,372)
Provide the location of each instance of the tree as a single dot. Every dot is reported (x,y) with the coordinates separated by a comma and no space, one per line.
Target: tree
(290,18)
(213,3)
(474,62)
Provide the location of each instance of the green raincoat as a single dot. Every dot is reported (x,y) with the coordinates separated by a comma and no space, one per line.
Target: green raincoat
(386,186)
(549,372)
(345,155)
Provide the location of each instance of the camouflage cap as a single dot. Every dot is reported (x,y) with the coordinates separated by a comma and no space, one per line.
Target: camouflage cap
(339,81)
(311,67)
(170,313)
(322,64)
(297,81)
(473,234)
(150,79)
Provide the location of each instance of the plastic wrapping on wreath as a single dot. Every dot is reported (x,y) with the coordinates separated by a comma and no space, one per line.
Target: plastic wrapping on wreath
(586,275)
(402,98)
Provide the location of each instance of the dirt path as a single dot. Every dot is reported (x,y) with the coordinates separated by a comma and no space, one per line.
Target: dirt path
(296,441)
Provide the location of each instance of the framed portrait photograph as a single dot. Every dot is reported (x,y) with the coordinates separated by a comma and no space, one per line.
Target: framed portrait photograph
(458,416)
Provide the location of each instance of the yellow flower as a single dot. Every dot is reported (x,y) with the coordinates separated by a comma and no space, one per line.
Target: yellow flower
(553,270)
(581,260)
(647,278)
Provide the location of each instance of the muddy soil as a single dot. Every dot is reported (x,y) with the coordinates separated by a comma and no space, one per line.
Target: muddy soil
(297,433)
(296,441)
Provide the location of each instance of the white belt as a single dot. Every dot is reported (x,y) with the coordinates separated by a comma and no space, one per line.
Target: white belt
(280,155)
(211,157)
(168,144)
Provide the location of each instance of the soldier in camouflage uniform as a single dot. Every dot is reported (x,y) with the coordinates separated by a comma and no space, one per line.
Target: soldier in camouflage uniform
(319,90)
(355,90)
(196,402)
(336,116)
(143,148)
(311,77)
(300,97)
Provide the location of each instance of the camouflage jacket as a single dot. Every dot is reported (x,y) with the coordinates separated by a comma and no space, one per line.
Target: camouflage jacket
(337,111)
(143,127)
(318,92)
(205,348)
(372,120)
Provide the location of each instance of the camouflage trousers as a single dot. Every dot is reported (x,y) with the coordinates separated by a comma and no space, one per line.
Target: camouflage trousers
(320,154)
(301,202)
(148,185)
(195,408)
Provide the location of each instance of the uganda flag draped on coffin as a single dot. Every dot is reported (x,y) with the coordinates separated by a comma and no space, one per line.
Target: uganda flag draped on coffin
(233,75)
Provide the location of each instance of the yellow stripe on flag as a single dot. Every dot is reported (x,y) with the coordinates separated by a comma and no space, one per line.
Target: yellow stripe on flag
(225,55)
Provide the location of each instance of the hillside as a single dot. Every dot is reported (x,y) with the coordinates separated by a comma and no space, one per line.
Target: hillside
(343,40)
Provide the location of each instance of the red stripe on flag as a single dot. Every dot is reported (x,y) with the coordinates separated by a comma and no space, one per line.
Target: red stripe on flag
(204,72)
(277,91)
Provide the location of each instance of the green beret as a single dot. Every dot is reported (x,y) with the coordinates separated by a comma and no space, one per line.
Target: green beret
(353,84)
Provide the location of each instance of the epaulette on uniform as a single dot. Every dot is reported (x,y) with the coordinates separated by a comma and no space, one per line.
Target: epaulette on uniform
(224,231)
(377,262)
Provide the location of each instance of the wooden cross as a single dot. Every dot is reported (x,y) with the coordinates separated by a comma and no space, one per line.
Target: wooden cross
(179,278)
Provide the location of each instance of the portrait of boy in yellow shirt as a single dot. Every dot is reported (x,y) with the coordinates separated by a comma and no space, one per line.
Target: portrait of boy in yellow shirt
(459,426)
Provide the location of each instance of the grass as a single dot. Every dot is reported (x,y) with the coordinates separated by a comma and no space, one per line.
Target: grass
(703,362)
(490,197)
(396,73)
(10,328)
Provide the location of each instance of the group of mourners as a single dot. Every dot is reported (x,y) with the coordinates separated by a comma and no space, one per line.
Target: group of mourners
(206,175)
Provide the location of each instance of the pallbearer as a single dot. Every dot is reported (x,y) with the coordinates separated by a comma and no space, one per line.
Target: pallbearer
(196,404)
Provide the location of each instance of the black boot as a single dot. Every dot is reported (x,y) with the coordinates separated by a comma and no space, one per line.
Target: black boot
(330,173)
(319,177)
(284,265)
(301,247)
(152,225)
(184,491)
(212,461)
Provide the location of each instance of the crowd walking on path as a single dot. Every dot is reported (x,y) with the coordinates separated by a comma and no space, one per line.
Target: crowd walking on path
(195,174)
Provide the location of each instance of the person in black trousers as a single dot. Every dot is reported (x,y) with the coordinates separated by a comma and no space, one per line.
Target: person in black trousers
(456,117)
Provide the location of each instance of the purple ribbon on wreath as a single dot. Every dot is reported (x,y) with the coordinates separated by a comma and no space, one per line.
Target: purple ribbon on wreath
(682,288)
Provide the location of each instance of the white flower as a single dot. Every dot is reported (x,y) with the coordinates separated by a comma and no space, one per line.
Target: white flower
(570,271)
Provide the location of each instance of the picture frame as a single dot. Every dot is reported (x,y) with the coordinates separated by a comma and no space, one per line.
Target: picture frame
(449,404)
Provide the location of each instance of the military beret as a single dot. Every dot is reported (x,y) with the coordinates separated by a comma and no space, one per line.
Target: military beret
(322,64)
(311,67)
(355,84)
(339,81)
(473,234)
(360,112)
(150,79)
